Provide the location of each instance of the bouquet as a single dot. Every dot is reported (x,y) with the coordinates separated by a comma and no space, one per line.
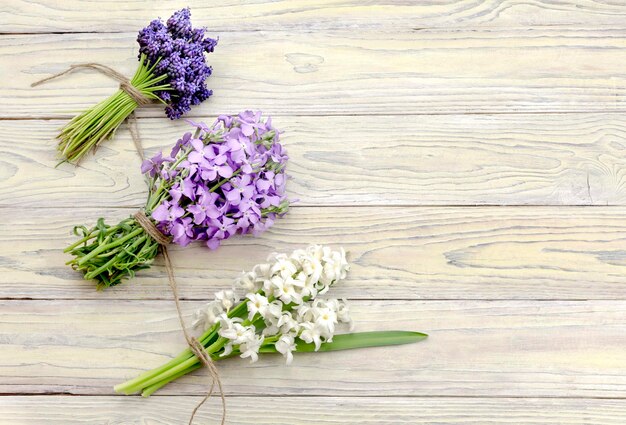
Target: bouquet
(172,70)
(280,313)
(225,179)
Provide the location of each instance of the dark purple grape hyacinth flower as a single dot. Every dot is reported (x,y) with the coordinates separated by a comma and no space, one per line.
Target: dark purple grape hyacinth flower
(225,179)
(172,70)
(178,50)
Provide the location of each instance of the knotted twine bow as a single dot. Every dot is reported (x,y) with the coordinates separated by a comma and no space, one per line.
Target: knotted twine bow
(195,346)
(125,85)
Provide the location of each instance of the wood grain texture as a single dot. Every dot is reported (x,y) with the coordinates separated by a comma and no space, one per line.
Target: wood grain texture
(397,253)
(475,348)
(400,118)
(554,159)
(344,72)
(167,410)
(78,16)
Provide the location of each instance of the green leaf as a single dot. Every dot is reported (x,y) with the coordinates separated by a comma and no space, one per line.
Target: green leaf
(357,340)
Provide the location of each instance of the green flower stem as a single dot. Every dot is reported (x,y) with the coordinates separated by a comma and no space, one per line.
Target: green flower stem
(151,389)
(156,196)
(183,369)
(117,257)
(224,181)
(132,386)
(137,383)
(110,245)
(109,254)
(101,121)
(155,375)
(187,359)
(216,346)
(78,243)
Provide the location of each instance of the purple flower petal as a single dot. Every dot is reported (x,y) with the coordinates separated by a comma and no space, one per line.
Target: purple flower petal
(161,213)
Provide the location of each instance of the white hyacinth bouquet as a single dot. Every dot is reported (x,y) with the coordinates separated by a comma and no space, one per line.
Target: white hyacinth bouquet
(279,313)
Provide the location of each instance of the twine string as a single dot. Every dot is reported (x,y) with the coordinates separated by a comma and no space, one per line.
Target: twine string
(194,345)
(134,134)
(125,83)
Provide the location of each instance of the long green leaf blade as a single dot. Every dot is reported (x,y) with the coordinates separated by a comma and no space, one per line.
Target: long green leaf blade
(358,340)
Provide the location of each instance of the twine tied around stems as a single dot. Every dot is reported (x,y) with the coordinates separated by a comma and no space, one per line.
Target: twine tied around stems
(125,84)
(194,345)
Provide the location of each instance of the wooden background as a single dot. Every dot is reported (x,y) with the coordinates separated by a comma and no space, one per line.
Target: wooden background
(471,155)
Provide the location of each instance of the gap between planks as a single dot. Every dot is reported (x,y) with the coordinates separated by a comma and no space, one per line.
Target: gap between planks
(370,206)
(347,396)
(612,111)
(504,253)
(439,72)
(327,410)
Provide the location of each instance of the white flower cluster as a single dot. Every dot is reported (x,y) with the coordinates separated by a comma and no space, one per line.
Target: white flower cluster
(281,303)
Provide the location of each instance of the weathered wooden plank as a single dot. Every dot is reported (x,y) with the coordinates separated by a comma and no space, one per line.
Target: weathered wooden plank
(54,410)
(552,159)
(344,72)
(76,16)
(397,253)
(476,348)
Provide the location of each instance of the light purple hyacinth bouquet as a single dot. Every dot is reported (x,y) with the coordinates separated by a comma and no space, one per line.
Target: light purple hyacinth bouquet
(225,179)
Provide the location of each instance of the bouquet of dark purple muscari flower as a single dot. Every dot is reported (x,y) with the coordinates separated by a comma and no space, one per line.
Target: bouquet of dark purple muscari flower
(172,70)
(225,179)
